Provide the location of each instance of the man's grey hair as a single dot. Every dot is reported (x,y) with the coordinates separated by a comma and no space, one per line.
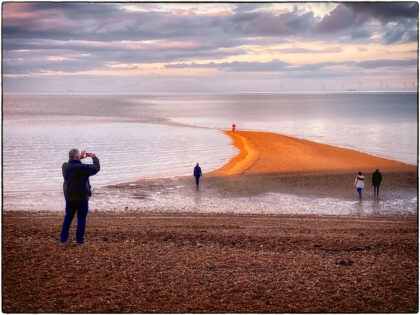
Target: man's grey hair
(73,153)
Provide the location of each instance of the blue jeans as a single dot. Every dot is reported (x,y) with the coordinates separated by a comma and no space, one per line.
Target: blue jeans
(376,190)
(197,180)
(81,207)
(359,191)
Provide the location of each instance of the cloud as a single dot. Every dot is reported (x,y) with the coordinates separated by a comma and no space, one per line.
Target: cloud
(271,66)
(309,51)
(74,37)
(247,7)
(114,22)
(381,63)
(360,33)
(22,63)
(356,20)
(284,24)
(104,52)
(276,65)
(385,11)
(341,18)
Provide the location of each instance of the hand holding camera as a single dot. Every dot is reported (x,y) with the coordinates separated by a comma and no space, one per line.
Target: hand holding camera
(91,155)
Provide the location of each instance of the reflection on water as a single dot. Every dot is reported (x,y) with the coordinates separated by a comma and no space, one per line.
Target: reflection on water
(34,151)
(393,140)
(383,124)
(135,137)
(181,195)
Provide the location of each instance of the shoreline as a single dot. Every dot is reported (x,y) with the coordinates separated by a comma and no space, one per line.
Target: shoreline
(265,178)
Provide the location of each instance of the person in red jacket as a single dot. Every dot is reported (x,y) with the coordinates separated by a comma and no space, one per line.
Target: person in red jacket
(233,127)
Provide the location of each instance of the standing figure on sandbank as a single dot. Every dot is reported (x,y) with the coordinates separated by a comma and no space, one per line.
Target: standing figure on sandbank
(376,182)
(197,174)
(359,183)
(233,127)
(76,188)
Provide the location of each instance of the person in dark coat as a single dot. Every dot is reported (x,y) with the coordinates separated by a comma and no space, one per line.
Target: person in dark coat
(197,174)
(76,188)
(376,182)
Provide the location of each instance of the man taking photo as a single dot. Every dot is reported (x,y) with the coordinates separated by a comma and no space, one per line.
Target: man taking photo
(76,188)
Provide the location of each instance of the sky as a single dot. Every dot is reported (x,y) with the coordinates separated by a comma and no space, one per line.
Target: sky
(81,47)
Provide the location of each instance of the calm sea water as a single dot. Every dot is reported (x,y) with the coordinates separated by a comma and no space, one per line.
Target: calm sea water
(382,124)
(160,136)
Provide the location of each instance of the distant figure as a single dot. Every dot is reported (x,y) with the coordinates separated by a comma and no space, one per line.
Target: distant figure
(76,188)
(233,127)
(376,182)
(359,183)
(197,174)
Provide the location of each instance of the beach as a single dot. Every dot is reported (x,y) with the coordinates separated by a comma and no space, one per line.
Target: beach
(183,260)
(171,262)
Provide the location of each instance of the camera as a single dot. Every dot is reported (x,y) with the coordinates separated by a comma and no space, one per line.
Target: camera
(88,154)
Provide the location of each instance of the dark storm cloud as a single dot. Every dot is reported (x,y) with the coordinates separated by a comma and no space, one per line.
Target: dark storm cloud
(341,18)
(386,11)
(354,19)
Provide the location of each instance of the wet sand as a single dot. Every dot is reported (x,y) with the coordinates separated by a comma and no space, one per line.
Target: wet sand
(153,261)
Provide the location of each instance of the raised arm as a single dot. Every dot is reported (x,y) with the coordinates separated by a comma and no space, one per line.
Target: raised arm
(94,168)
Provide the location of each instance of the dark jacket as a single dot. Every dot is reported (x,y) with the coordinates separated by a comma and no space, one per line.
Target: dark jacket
(197,171)
(76,186)
(376,178)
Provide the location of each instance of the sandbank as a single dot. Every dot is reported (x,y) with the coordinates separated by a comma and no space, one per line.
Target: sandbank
(264,152)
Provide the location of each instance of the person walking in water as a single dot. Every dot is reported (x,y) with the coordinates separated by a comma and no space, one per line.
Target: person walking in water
(197,174)
(359,183)
(233,127)
(76,188)
(376,182)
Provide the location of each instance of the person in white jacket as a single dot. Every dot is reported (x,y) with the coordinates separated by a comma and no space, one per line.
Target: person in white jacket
(359,183)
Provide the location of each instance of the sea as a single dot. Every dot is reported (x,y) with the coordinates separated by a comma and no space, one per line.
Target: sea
(163,136)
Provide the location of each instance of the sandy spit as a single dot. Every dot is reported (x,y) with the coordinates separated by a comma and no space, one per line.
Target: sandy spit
(264,152)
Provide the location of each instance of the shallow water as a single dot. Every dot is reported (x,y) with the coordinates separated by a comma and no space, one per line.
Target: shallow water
(382,124)
(158,136)
(34,151)
(180,195)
